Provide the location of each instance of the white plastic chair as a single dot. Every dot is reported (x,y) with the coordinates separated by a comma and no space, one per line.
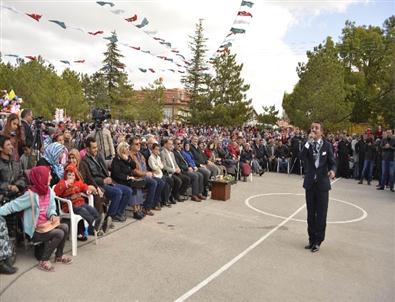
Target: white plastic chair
(278,165)
(74,219)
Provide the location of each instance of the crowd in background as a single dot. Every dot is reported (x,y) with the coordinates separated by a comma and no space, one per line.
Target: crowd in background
(135,169)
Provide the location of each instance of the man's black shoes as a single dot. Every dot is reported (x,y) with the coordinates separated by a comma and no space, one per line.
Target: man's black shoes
(309,246)
(315,248)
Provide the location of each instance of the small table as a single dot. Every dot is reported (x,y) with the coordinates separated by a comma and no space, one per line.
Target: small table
(220,190)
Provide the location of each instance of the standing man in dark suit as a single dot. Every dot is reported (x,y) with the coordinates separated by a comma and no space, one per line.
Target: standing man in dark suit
(320,164)
(27,120)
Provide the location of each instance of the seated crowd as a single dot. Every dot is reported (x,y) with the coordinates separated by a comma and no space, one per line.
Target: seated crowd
(132,171)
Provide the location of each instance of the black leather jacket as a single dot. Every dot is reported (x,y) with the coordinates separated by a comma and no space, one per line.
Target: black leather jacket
(97,167)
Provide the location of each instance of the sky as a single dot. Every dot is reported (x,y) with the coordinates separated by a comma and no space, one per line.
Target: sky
(276,39)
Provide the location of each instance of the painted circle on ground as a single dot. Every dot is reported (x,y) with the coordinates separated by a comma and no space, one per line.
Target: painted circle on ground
(247,203)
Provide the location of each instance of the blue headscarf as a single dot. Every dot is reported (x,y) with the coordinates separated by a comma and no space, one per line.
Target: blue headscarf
(52,154)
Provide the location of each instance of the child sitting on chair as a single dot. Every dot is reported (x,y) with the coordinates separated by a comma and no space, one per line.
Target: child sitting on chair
(72,187)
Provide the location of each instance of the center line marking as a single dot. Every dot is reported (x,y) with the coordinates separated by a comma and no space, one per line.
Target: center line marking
(235,259)
(239,256)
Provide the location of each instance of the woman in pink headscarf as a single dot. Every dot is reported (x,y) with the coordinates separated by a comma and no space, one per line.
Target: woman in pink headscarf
(38,204)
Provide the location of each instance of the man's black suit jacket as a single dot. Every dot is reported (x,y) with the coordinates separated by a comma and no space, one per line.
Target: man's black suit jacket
(181,162)
(318,175)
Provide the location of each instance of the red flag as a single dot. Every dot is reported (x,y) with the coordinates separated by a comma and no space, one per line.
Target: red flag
(33,58)
(79,61)
(99,32)
(244,14)
(150,69)
(35,16)
(132,19)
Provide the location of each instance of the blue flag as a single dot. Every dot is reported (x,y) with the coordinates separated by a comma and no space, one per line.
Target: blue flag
(143,23)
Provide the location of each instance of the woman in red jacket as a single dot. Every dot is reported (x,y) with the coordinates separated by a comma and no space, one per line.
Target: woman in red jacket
(72,187)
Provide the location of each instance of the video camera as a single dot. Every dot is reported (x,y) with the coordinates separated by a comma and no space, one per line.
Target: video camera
(38,121)
(99,115)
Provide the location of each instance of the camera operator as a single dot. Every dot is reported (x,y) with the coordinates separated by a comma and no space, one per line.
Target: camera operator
(101,134)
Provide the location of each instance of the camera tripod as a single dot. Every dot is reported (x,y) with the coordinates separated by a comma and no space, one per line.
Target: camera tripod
(37,140)
(293,164)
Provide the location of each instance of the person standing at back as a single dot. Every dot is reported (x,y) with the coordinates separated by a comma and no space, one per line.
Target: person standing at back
(320,165)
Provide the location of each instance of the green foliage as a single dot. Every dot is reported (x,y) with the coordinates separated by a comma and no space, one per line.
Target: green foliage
(109,86)
(151,108)
(320,93)
(269,115)
(366,55)
(196,79)
(43,90)
(227,92)
(350,82)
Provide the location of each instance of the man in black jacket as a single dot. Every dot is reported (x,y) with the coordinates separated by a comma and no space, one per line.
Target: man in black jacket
(320,164)
(206,167)
(388,161)
(119,195)
(27,120)
(195,176)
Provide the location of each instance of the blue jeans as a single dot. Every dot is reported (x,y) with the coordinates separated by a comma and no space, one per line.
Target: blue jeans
(87,212)
(154,186)
(119,196)
(368,166)
(387,173)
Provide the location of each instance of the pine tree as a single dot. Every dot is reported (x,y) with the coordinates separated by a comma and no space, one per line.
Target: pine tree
(195,80)
(118,89)
(228,92)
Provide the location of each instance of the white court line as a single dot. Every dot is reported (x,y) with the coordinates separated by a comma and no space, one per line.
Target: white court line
(239,256)
(235,259)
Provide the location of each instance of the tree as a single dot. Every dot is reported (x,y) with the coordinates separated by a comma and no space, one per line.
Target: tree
(95,89)
(227,92)
(368,55)
(196,78)
(320,93)
(362,51)
(151,108)
(73,100)
(269,115)
(118,89)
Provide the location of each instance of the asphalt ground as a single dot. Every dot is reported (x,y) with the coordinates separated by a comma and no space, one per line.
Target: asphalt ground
(249,248)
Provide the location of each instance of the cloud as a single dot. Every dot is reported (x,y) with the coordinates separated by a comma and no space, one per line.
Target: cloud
(269,63)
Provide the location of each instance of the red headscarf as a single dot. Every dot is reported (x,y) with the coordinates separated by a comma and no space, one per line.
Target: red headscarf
(72,168)
(38,178)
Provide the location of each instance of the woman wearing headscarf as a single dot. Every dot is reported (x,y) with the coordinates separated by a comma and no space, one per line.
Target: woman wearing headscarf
(53,157)
(40,221)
